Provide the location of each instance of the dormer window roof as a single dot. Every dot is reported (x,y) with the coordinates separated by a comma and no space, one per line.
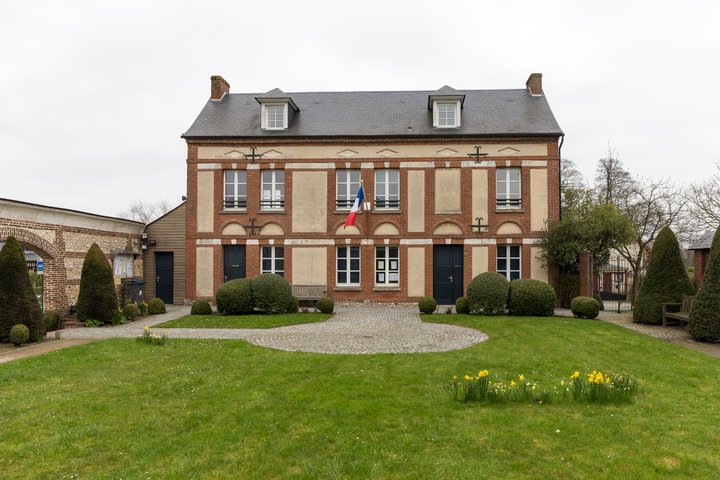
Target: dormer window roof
(276,110)
(446,105)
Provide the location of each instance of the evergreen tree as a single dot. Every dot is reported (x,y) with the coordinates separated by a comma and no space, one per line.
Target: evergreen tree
(665,280)
(18,303)
(97,299)
(704,322)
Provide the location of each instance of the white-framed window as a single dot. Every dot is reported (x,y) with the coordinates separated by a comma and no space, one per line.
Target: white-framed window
(508,261)
(387,265)
(387,188)
(123,265)
(346,189)
(507,188)
(348,265)
(235,189)
(274,116)
(446,114)
(273,260)
(273,190)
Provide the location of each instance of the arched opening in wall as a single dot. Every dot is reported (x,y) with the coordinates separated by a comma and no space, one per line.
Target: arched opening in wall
(46,274)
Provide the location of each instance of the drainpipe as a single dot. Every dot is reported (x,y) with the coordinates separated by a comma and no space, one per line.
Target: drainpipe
(562,140)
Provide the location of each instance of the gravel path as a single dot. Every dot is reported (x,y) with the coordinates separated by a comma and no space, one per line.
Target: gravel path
(354,329)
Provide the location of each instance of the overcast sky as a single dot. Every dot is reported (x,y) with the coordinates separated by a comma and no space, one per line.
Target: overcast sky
(95,95)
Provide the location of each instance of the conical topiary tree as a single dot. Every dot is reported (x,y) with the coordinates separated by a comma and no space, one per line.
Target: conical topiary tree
(97,299)
(704,324)
(665,280)
(18,303)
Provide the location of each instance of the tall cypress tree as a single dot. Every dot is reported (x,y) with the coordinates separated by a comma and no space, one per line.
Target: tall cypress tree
(704,324)
(665,280)
(18,303)
(97,298)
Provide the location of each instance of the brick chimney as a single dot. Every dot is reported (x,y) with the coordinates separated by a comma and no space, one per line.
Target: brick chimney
(218,87)
(534,84)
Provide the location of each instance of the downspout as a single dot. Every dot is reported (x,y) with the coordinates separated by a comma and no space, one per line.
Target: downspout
(562,140)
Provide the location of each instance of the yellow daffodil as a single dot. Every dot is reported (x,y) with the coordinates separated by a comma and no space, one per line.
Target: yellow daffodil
(468,377)
(521,378)
(482,373)
(512,383)
(575,375)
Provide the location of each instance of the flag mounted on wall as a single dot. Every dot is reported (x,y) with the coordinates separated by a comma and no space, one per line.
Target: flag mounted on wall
(350,222)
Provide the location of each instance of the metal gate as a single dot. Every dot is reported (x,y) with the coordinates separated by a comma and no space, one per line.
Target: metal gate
(615,283)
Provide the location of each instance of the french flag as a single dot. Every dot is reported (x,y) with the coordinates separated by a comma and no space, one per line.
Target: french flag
(350,222)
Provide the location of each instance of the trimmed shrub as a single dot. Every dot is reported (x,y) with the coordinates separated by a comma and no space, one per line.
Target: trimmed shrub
(599,299)
(235,297)
(665,280)
(461,305)
(19,334)
(131,310)
(325,305)
(52,320)
(155,306)
(585,307)
(487,294)
(531,297)
(18,302)
(97,298)
(427,305)
(295,306)
(271,293)
(201,307)
(704,324)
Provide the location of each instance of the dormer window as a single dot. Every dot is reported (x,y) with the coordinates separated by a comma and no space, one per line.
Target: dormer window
(277,110)
(274,116)
(446,105)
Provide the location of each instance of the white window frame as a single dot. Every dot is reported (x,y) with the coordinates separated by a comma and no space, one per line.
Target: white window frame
(385,275)
(508,257)
(348,270)
(346,191)
(276,197)
(504,199)
(384,202)
(437,117)
(237,201)
(276,253)
(266,117)
(123,265)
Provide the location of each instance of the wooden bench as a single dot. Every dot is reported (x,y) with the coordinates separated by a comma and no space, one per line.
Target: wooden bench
(682,315)
(309,292)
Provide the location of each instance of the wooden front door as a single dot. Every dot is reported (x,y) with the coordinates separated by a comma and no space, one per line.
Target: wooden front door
(234,262)
(447,273)
(164,276)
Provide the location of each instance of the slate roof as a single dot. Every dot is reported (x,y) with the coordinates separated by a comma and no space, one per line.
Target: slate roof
(379,114)
(704,242)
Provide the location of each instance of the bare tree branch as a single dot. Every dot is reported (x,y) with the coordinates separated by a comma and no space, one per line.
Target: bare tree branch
(145,213)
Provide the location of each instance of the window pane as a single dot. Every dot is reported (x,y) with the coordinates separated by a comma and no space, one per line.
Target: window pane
(515,251)
(342,264)
(354,277)
(266,265)
(515,264)
(355,264)
(514,275)
(501,265)
(514,174)
(355,252)
(341,277)
(393,252)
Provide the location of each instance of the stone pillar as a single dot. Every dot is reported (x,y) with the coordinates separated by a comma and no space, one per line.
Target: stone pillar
(586,274)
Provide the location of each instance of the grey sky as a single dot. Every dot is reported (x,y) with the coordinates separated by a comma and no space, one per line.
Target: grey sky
(94,95)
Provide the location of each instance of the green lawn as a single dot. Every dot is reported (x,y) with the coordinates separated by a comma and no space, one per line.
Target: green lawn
(244,321)
(227,409)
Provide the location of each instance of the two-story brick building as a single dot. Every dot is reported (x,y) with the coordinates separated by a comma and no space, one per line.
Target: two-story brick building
(456,182)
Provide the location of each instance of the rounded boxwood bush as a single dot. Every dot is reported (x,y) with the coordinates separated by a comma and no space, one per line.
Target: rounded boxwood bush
(235,297)
(585,307)
(704,323)
(531,297)
(201,307)
(427,305)
(271,293)
(665,280)
(156,306)
(599,299)
(97,299)
(52,320)
(487,294)
(19,334)
(461,305)
(325,305)
(131,311)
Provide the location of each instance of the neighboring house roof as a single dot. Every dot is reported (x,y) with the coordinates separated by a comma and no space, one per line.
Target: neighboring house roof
(704,242)
(379,114)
